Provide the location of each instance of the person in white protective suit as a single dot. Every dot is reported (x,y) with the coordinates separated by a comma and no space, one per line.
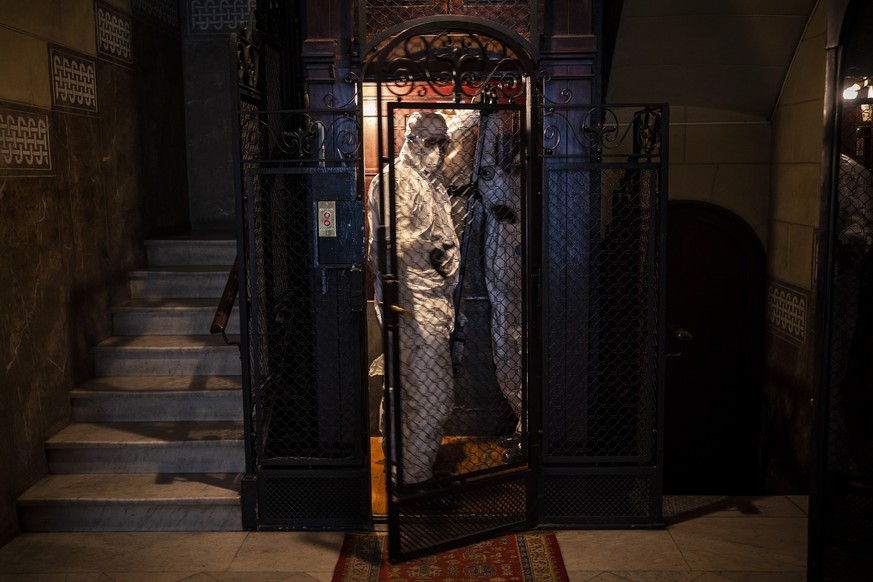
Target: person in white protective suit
(501,196)
(428,258)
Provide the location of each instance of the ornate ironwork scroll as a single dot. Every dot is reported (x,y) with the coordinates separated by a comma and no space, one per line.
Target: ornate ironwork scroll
(462,66)
(375,17)
(247,55)
(603,130)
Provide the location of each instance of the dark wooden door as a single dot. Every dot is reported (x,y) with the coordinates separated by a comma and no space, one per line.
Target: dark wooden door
(715,291)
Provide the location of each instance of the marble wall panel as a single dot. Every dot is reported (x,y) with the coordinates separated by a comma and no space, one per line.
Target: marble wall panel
(74,81)
(114,33)
(210,93)
(35,359)
(66,22)
(23,58)
(25,141)
(92,160)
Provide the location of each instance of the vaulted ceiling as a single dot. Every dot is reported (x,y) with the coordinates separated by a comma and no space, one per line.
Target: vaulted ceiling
(730,56)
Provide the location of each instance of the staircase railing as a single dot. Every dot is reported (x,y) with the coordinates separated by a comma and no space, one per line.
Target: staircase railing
(225,305)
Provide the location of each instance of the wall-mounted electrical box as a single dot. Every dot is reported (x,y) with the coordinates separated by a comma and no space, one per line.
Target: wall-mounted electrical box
(338,217)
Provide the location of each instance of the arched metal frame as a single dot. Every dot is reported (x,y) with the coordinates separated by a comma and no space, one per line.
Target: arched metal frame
(465,64)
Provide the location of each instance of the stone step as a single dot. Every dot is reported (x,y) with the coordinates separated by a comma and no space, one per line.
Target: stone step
(168,317)
(132,502)
(154,398)
(178,282)
(166,355)
(147,447)
(196,248)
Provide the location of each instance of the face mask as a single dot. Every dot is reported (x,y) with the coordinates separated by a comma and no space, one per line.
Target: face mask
(432,160)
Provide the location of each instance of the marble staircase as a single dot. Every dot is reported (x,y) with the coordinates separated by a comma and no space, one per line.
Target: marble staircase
(156,437)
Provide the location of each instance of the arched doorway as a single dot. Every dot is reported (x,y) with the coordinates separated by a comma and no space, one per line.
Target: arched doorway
(716,289)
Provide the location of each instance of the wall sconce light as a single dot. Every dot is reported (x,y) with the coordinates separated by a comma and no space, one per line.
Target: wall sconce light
(860,88)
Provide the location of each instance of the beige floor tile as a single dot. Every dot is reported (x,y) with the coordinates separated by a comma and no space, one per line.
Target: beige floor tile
(154,576)
(762,544)
(288,552)
(59,577)
(259,577)
(212,577)
(752,577)
(658,576)
(684,507)
(582,576)
(120,552)
(615,550)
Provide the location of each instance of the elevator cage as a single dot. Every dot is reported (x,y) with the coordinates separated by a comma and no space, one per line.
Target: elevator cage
(557,308)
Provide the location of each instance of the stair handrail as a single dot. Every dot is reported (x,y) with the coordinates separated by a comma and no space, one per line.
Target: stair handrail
(225,305)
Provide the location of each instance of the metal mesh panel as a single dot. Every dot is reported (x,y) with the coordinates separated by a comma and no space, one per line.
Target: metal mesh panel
(602,261)
(460,338)
(485,509)
(601,287)
(380,15)
(288,397)
(315,498)
(301,281)
(308,407)
(448,206)
(613,498)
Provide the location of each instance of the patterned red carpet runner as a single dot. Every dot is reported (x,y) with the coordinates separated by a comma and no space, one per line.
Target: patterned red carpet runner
(525,557)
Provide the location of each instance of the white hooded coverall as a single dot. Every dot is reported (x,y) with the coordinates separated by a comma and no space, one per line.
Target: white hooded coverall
(427,263)
(501,195)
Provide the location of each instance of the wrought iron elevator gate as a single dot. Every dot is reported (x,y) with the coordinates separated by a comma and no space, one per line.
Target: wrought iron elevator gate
(455,265)
(558,219)
(604,197)
(301,240)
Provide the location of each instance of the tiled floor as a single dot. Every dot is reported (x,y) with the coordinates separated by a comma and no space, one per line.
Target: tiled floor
(708,539)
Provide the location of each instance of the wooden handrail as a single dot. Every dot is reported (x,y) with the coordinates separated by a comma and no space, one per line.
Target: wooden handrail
(225,304)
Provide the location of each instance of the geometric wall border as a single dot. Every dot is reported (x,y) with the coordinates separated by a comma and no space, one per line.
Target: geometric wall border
(207,17)
(25,141)
(787,312)
(114,41)
(163,11)
(73,79)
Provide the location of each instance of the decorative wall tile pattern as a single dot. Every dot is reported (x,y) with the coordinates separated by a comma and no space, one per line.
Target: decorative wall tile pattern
(165,11)
(113,34)
(787,310)
(74,80)
(24,142)
(211,16)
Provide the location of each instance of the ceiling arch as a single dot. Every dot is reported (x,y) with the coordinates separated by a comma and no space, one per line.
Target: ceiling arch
(728,56)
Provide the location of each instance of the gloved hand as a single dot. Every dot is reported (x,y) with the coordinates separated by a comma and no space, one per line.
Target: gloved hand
(438,258)
(504,213)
